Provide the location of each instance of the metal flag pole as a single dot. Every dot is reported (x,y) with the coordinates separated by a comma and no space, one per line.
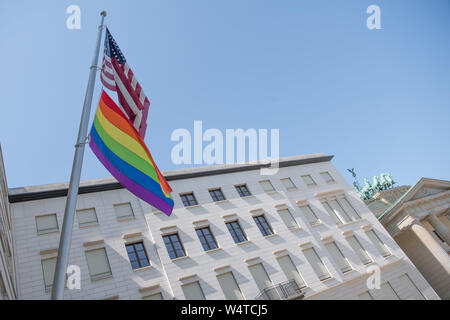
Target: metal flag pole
(66,232)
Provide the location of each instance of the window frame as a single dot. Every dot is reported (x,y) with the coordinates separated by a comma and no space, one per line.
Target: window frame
(188,202)
(47,231)
(206,242)
(230,224)
(263,225)
(243,193)
(169,236)
(217,191)
(136,253)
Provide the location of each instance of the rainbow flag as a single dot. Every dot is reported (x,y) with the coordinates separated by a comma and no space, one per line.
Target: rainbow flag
(118,146)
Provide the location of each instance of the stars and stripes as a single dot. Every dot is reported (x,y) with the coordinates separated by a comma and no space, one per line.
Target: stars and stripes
(116,75)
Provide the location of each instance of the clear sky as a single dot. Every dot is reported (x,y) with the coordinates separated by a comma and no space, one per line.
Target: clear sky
(379,100)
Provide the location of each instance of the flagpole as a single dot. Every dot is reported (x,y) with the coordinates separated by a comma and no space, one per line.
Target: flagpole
(69,212)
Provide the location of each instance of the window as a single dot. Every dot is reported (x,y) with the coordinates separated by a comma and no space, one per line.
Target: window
(266,186)
(217,194)
(316,263)
(387,292)
(310,215)
(98,264)
(243,190)
(332,214)
(338,257)
(48,268)
(46,224)
(123,211)
(288,184)
(156,296)
(409,289)
(236,231)
(438,236)
(290,270)
(340,211)
(260,276)
(309,180)
(288,219)
(87,217)
(365,296)
(206,238)
(327,177)
(188,199)
(174,246)
(350,208)
(359,250)
(193,291)
(263,225)
(229,286)
(137,255)
(381,247)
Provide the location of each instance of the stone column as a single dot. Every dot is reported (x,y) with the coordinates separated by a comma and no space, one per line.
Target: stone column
(431,244)
(440,227)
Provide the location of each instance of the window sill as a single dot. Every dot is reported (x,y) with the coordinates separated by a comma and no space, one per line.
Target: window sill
(243,242)
(101,278)
(213,250)
(143,268)
(221,201)
(91,225)
(126,219)
(271,236)
(349,223)
(271,192)
(193,206)
(348,272)
(294,229)
(179,258)
(317,224)
(327,279)
(43,233)
(292,189)
(248,197)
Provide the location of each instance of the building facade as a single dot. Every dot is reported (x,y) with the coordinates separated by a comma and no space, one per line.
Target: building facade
(302,233)
(418,219)
(8,290)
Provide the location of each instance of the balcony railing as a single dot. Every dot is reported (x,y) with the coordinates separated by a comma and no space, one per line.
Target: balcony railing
(288,290)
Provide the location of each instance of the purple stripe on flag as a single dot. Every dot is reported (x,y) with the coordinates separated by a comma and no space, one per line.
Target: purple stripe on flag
(129,184)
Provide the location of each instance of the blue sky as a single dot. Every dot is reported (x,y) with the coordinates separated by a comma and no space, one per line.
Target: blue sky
(378,100)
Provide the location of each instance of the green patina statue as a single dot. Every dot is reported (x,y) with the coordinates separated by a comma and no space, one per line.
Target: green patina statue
(384,182)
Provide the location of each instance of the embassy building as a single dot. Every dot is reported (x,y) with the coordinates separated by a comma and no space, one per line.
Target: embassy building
(302,233)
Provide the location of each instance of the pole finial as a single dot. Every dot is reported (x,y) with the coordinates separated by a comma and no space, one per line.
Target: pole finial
(103,13)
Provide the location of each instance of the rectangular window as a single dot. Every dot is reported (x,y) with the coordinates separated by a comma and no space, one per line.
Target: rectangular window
(310,215)
(174,246)
(260,276)
(137,255)
(309,180)
(332,214)
(338,257)
(236,231)
(48,268)
(288,184)
(409,288)
(193,291)
(316,263)
(156,296)
(288,219)
(263,225)
(266,185)
(387,292)
(229,286)
(206,238)
(87,217)
(327,177)
(339,210)
(98,264)
(365,296)
(123,211)
(350,209)
(46,224)
(217,194)
(188,199)
(359,250)
(381,247)
(243,190)
(290,270)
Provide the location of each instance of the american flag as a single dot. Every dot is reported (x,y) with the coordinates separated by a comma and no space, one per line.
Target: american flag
(116,75)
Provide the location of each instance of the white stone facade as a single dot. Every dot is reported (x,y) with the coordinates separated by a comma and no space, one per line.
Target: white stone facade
(166,276)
